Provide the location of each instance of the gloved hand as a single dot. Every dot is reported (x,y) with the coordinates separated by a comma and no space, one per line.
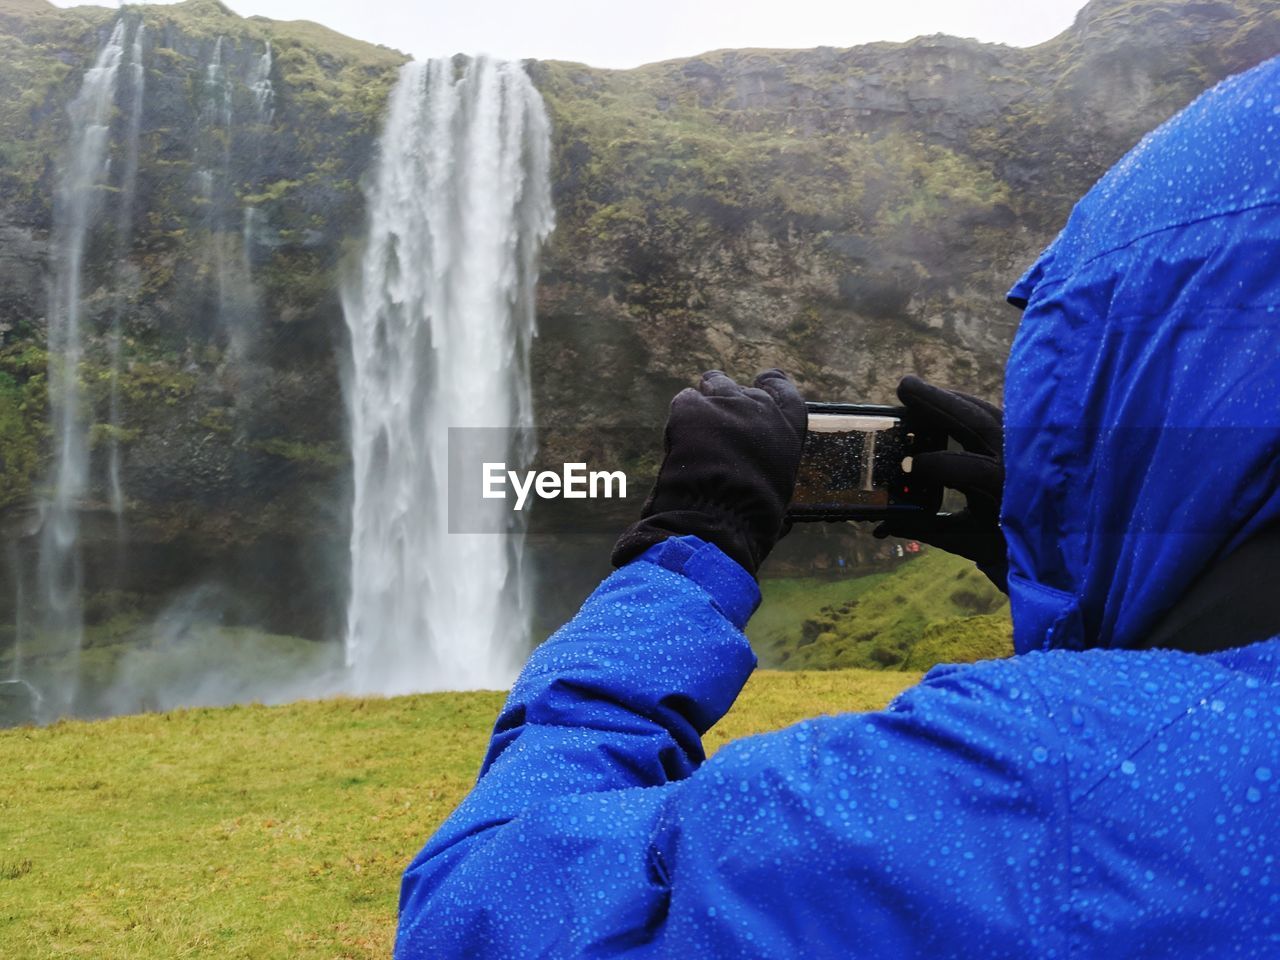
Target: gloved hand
(731,455)
(978,473)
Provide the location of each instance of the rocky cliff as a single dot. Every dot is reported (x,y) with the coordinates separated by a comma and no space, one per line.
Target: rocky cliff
(848,214)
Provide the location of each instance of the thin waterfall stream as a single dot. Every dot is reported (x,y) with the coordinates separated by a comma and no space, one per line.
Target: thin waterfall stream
(136,78)
(77,205)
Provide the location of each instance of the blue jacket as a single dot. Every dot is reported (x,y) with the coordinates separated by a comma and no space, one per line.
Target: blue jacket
(1082,799)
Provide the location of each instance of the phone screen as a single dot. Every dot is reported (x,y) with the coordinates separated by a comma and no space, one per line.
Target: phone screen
(856,464)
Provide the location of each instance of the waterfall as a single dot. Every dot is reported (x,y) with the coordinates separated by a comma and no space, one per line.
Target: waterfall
(213,153)
(124,237)
(213,174)
(77,203)
(264,99)
(17,571)
(264,94)
(219,169)
(440,319)
(248,231)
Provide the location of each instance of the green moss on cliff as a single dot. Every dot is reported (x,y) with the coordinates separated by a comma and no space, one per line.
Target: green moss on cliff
(187,283)
(154,381)
(23,436)
(20,440)
(301,452)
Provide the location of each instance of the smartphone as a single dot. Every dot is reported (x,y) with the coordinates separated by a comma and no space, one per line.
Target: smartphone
(856,464)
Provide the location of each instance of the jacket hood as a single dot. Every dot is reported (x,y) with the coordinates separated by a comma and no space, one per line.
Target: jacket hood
(1142,395)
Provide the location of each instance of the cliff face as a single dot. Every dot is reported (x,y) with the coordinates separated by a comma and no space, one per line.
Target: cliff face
(850,215)
(220,259)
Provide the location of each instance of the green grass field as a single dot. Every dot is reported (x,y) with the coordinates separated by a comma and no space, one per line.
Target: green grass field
(282,831)
(937,608)
(266,831)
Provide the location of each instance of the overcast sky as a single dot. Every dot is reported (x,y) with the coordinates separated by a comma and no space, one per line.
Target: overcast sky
(612,34)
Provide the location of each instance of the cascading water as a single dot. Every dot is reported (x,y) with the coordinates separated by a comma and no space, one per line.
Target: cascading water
(19,610)
(264,94)
(213,179)
(264,102)
(213,153)
(440,319)
(77,204)
(124,236)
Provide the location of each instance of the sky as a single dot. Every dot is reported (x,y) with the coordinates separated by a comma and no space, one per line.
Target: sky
(613,34)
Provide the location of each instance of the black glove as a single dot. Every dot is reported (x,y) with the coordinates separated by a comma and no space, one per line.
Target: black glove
(973,533)
(731,455)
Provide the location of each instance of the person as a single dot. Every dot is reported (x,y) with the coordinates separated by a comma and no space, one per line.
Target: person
(1112,790)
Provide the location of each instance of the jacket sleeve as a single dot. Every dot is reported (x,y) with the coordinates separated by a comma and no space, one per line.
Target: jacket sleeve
(614,703)
(591,833)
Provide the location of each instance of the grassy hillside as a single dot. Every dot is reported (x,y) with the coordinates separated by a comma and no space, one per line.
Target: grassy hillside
(934,609)
(266,832)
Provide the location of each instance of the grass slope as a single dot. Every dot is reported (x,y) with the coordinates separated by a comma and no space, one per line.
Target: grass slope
(937,608)
(266,831)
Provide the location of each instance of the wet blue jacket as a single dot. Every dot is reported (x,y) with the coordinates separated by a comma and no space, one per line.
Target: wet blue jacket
(1085,798)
